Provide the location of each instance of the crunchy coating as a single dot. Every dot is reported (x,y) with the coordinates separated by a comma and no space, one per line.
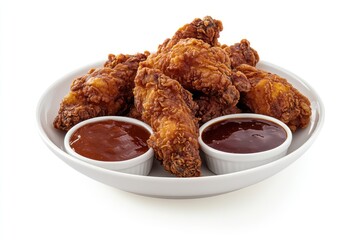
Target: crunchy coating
(242,53)
(210,107)
(198,67)
(206,29)
(240,81)
(102,91)
(273,95)
(132,61)
(166,106)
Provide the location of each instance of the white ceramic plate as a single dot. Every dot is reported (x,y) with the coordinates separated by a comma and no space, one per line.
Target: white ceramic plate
(159,183)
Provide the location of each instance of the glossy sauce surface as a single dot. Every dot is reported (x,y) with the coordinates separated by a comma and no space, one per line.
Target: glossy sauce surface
(110,140)
(244,135)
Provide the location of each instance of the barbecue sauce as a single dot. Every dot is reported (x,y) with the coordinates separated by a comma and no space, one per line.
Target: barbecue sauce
(244,135)
(110,140)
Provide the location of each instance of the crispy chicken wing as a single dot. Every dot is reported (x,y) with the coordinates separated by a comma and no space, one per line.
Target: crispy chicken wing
(198,67)
(131,61)
(273,95)
(206,29)
(241,53)
(210,107)
(167,107)
(102,91)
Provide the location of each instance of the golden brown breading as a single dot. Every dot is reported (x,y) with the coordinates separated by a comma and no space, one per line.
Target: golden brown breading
(132,61)
(210,107)
(273,95)
(198,67)
(102,91)
(166,106)
(242,53)
(206,29)
(240,81)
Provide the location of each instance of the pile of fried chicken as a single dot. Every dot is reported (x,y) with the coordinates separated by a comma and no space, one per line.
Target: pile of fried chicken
(189,80)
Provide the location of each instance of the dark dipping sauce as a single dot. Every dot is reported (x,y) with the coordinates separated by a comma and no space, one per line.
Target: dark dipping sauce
(110,140)
(244,135)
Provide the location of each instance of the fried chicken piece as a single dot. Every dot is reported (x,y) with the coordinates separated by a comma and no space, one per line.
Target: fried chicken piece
(241,53)
(240,81)
(206,29)
(102,91)
(166,106)
(273,95)
(210,107)
(132,61)
(198,67)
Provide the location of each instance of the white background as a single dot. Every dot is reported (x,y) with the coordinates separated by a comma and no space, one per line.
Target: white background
(317,197)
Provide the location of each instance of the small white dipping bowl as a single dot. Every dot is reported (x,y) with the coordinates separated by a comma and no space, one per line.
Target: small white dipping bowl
(221,162)
(140,165)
